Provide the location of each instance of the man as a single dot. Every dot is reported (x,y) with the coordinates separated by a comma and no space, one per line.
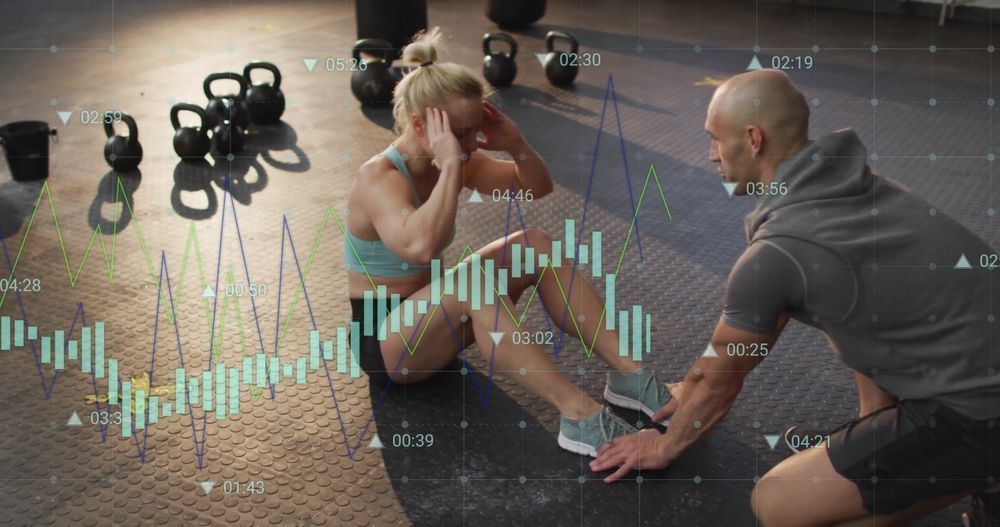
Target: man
(873,267)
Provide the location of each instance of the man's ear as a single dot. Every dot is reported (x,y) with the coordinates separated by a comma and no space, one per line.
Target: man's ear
(755,137)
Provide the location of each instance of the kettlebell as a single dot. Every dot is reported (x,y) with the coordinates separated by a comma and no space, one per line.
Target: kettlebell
(265,102)
(227,138)
(560,66)
(499,68)
(190,142)
(373,86)
(122,153)
(217,109)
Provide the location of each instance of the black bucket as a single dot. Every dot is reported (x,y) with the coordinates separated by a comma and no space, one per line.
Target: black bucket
(26,145)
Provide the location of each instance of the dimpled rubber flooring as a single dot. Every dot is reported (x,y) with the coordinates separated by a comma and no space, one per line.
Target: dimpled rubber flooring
(298,454)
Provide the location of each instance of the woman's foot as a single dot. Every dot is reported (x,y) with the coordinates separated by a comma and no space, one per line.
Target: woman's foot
(585,436)
(637,391)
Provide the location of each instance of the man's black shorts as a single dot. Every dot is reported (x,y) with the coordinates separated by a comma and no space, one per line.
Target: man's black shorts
(915,451)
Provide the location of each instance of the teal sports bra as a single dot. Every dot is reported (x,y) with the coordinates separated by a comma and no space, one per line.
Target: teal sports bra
(377,258)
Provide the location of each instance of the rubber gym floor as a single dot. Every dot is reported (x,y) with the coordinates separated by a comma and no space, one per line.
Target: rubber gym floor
(126,250)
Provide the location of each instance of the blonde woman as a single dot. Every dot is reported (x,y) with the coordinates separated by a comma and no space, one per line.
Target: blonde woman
(402,215)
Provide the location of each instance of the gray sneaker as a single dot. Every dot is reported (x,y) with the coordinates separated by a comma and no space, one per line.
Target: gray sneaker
(637,391)
(585,436)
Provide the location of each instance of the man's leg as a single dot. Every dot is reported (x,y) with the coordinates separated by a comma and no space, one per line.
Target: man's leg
(870,396)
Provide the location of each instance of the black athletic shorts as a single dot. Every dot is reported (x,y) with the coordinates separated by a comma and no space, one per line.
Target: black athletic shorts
(371,352)
(915,451)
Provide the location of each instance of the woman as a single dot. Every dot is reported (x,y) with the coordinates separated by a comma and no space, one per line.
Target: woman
(402,215)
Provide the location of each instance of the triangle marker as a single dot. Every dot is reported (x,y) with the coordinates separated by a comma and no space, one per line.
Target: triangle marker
(310,63)
(208,293)
(710,352)
(496,336)
(772,440)
(64,117)
(730,187)
(541,58)
(754,64)
(376,443)
(74,420)
(963,263)
(475,197)
(206,486)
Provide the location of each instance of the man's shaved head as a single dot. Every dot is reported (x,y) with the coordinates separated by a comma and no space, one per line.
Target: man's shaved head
(756,120)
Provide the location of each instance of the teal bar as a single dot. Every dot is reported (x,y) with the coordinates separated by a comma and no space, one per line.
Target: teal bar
(584,253)
(140,409)
(18,333)
(477,281)
(609,301)
(327,350)
(261,373)
(570,238)
(166,410)
(194,391)
(73,355)
(180,392)
(341,350)
(220,392)
(394,313)
(529,260)
(543,260)
(380,298)
(112,381)
(421,307)
(649,339)
(623,333)
(449,282)
(355,350)
(248,370)
(126,409)
(154,407)
(502,282)
(557,254)
(369,297)
(46,350)
(488,285)
(287,369)
(300,370)
(435,282)
(99,350)
(515,260)
(206,391)
(273,374)
(60,346)
(595,250)
(463,282)
(313,349)
(85,337)
(4,333)
(637,332)
(408,313)
(32,333)
(234,391)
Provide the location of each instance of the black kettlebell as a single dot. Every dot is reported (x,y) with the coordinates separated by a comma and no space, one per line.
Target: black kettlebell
(217,109)
(265,102)
(190,142)
(560,66)
(122,153)
(227,138)
(499,68)
(374,84)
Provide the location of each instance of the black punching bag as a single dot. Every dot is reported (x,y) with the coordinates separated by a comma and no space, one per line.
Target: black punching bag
(395,21)
(515,14)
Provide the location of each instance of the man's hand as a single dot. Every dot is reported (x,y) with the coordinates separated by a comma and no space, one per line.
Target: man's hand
(676,391)
(500,132)
(631,452)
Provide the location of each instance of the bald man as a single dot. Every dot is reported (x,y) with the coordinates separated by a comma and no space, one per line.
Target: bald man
(873,267)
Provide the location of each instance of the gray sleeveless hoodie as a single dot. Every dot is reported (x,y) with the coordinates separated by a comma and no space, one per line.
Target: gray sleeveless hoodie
(920,327)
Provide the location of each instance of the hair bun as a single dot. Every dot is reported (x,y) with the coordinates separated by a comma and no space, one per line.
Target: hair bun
(422,51)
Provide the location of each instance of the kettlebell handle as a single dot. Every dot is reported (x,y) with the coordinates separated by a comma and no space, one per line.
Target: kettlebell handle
(257,64)
(490,37)
(178,108)
(552,36)
(133,130)
(374,46)
(221,76)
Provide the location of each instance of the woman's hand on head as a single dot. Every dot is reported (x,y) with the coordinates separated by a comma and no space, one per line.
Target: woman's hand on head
(442,141)
(499,130)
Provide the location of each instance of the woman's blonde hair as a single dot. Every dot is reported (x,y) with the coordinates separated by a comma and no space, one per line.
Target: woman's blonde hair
(431,83)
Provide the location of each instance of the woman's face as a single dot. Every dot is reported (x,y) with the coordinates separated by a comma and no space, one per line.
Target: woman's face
(465,115)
